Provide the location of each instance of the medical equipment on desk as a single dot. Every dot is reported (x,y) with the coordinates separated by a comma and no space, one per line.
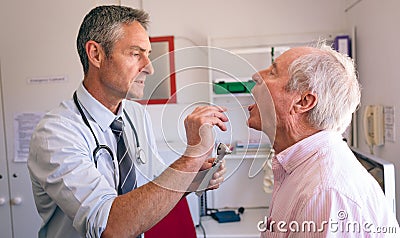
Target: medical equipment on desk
(140,156)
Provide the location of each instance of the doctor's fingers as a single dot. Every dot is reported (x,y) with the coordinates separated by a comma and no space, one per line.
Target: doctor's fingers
(220,173)
(202,109)
(215,182)
(214,121)
(211,111)
(209,116)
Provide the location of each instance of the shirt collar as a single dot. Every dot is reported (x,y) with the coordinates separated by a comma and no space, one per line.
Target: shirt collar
(300,152)
(97,111)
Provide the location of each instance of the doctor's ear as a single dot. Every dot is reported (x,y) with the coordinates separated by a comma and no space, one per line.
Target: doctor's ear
(95,53)
(305,102)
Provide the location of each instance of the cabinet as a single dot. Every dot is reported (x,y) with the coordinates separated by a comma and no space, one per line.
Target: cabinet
(18,215)
(5,206)
(243,185)
(237,59)
(53,54)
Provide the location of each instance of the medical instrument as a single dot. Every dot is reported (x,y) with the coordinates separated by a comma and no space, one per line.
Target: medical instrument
(222,150)
(140,156)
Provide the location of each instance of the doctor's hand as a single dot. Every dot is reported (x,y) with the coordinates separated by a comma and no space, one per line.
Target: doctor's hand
(213,182)
(218,176)
(199,133)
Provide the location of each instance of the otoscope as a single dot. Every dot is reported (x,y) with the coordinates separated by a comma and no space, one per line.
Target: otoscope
(222,150)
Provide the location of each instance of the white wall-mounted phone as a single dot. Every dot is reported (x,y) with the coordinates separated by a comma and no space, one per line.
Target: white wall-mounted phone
(374,125)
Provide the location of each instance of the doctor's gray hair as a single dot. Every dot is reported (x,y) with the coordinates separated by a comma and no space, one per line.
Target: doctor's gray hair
(103,25)
(333,77)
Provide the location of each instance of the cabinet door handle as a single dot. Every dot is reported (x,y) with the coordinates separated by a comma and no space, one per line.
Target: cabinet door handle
(16,201)
(2,201)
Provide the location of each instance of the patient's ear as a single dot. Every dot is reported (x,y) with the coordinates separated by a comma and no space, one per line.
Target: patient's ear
(305,102)
(94,53)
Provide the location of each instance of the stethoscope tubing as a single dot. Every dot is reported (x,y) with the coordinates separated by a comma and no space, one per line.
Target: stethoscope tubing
(139,151)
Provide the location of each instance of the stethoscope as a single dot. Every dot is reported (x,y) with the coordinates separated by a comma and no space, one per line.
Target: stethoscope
(140,155)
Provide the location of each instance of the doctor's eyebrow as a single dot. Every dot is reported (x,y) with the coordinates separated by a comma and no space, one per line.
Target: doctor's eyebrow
(136,47)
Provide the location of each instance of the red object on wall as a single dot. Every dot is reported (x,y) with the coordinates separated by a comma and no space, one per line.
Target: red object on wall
(178,224)
(172,77)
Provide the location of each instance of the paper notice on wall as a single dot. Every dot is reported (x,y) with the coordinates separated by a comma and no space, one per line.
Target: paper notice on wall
(46,80)
(24,125)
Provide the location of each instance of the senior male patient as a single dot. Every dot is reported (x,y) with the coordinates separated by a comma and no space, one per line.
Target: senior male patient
(85,181)
(320,189)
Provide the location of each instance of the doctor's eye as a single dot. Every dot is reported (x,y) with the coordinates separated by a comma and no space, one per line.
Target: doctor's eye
(135,54)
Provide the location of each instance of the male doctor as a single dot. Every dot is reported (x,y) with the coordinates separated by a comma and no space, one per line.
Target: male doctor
(80,185)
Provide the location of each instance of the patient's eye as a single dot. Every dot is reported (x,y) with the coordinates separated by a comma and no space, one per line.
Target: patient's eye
(273,70)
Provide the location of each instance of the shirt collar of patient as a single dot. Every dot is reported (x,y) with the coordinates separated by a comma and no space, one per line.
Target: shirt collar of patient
(96,110)
(298,153)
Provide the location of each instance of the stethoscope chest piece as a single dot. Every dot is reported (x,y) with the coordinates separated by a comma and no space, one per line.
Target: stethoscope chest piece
(141,156)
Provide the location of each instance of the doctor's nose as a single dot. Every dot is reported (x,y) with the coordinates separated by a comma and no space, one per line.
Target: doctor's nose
(148,69)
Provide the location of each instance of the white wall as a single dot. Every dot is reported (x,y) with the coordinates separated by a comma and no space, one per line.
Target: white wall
(377,24)
(37,39)
(192,22)
(377,49)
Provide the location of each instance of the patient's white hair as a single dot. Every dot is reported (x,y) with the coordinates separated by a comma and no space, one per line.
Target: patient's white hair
(333,77)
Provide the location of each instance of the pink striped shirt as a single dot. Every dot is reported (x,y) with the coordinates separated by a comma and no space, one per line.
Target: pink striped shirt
(321,190)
